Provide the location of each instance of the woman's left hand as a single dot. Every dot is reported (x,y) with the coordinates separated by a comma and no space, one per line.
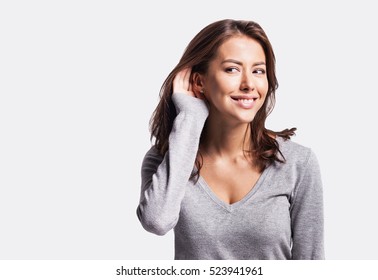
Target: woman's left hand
(182,84)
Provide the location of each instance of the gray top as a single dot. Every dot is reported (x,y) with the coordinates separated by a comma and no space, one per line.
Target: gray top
(280,218)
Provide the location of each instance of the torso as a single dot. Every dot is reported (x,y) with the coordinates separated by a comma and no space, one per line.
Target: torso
(230,181)
(259,226)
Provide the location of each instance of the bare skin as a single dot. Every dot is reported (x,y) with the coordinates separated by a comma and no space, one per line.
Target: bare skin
(237,71)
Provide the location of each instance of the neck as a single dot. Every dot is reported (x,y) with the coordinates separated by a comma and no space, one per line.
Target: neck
(225,140)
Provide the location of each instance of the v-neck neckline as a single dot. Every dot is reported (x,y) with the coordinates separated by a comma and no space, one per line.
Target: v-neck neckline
(233,206)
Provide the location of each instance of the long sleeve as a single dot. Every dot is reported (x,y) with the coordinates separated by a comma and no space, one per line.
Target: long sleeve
(307,219)
(164,179)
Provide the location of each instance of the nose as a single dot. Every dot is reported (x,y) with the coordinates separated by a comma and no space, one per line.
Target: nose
(247,84)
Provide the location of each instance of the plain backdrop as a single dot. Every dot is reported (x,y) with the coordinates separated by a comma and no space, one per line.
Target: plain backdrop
(79,81)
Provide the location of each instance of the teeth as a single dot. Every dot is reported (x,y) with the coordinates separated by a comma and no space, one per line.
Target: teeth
(246,100)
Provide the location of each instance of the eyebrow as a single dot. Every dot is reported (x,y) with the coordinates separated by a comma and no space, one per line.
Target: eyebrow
(240,63)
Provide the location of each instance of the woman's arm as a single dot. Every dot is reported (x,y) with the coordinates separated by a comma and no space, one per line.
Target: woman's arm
(307,219)
(164,179)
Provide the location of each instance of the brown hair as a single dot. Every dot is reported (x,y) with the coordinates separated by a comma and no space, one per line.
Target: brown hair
(197,56)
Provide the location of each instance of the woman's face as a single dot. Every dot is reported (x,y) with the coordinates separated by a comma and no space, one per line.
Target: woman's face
(236,83)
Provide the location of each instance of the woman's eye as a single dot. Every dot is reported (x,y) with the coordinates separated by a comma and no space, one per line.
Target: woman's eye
(259,71)
(231,70)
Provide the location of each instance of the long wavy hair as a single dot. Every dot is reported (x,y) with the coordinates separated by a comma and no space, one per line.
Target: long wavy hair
(197,56)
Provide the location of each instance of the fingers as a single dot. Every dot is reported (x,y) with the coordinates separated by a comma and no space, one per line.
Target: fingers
(186,82)
(181,82)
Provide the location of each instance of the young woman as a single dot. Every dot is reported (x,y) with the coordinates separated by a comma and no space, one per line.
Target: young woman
(229,187)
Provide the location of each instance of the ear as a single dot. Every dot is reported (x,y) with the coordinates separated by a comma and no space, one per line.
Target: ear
(198,84)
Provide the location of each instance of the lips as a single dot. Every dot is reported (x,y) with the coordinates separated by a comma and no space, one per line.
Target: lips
(243,101)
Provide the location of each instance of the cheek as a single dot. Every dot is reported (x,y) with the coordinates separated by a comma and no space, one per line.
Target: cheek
(221,82)
(216,88)
(263,88)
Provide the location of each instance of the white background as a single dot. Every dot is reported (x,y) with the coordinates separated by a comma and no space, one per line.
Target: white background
(80,79)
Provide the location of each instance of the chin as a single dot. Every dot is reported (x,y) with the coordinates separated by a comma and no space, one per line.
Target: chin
(247,117)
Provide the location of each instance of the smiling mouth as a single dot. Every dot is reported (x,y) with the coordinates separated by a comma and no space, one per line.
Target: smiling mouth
(243,102)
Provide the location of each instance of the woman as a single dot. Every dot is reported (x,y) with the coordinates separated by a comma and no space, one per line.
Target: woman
(229,187)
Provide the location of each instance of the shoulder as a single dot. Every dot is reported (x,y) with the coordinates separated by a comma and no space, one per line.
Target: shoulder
(292,149)
(296,155)
(300,166)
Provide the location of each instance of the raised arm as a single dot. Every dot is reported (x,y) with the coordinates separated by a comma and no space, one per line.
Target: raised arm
(164,178)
